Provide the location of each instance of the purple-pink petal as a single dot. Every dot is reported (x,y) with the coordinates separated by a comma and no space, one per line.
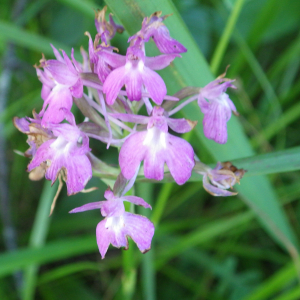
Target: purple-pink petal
(215,88)
(154,85)
(180,125)
(113,84)
(156,147)
(131,118)
(43,154)
(69,63)
(113,208)
(154,164)
(165,43)
(21,124)
(137,201)
(102,69)
(67,156)
(60,97)
(103,236)
(140,229)
(179,159)
(57,54)
(78,171)
(132,153)
(215,191)
(160,62)
(203,104)
(77,89)
(133,82)
(116,230)
(61,72)
(109,195)
(113,59)
(215,122)
(88,206)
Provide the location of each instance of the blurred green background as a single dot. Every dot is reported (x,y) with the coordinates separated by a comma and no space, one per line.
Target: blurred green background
(236,248)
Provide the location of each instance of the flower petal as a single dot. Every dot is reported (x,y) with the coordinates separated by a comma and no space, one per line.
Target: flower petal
(215,191)
(137,201)
(160,62)
(77,89)
(214,89)
(61,72)
(165,43)
(113,84)
(103,236)
(21,124)
(78,171)
(131,118)
(113,59)
(181,125)
(179,158)
(155,85)
(214,122)
(43,154)
(134,83)
(60,97)
(132,153)
(88,206)
(57,54)
(140,229)
(69,63)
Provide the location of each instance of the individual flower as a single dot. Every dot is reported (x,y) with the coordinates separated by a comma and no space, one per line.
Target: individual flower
(217,107)
(224,176)
(135,71)
(154,27)
(65,155)
(109,28)
(118,224)
(97,63)
(156,146)
(37,135)
(61,80)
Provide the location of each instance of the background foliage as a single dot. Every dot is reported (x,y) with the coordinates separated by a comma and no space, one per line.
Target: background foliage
(242,247)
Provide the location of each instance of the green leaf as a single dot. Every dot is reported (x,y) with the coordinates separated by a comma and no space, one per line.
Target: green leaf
(193,70)
(274,162)
(274,284)
(53,251)
(84,7)
(31,40)
(202,235)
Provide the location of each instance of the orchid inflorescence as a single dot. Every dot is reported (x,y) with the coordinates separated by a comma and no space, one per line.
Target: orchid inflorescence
(59,148)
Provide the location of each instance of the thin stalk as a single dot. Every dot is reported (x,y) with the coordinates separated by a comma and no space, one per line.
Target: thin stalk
(129,265)
(145,190)
(183,104)
(161,202)
(38,237)
(221,47)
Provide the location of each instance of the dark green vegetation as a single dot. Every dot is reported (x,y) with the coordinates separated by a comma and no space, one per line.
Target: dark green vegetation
(236,248)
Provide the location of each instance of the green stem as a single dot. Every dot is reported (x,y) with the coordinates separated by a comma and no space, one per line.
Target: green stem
(145,191)
(38,237)
(128,258)
(161,202)
(221,47)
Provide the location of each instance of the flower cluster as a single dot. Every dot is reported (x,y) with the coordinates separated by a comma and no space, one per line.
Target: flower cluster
(110,89)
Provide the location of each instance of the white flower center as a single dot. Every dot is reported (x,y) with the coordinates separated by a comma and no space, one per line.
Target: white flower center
(115,223)
(61,145)
(222,99)
(155,138)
